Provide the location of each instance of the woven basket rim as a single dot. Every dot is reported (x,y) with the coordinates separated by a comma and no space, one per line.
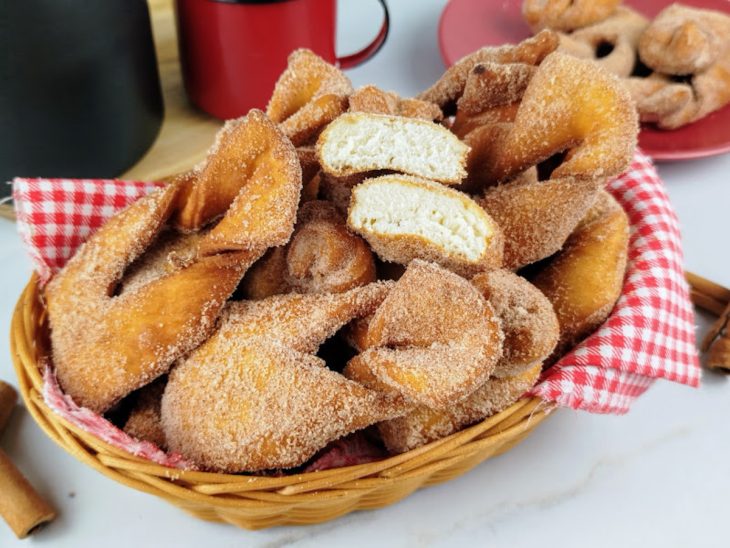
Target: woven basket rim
(221,490)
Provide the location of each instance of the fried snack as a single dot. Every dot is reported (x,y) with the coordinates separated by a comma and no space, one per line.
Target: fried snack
(252,173)
(584,280)
(671,105)
(536,217)
(376,101)
(612,43)
(529,323)
(310,172)
(104,347)
(144,422)
(429,322)
(424,425)
(684,40)
(338,190)
(321,257)
(566,15)
(357,142)
(405,218)
(253,397)
(447,90)
(309,94)
(570,106)
(492,95)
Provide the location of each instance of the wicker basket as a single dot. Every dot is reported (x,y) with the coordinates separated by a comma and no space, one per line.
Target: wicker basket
(255,502)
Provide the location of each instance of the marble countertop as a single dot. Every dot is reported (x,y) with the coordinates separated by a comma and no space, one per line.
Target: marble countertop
(655,477)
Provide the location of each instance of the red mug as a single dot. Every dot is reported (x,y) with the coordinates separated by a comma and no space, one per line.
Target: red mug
(233,51)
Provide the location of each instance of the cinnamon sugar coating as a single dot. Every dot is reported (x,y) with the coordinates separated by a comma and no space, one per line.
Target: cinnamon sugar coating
(432,341)
(424,425)
(309,94)
(375,100)
(144,422)
(566,15)
(584,281)
(253,397)
(528,320)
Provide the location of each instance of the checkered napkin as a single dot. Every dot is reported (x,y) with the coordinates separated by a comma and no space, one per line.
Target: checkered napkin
(649,335)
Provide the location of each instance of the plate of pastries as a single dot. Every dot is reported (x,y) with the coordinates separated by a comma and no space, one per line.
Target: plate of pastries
(673,57)
(352,260)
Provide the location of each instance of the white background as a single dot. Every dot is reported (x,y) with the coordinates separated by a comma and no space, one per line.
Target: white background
(656,477)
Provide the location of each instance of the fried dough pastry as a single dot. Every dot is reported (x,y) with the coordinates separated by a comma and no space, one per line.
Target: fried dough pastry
(309,94)
(584,280)
(570,106)
(357,142)
(321,257)
(376,101)
(310,172)
(404,218)
(566,15)
(338,190)
(252,173)
(253,397)
(672,104)
(612,43)
(447,90)
(528,320)
(106,346)
(536,217)
(424,425)
(433,340)
(144,422)
(685,40)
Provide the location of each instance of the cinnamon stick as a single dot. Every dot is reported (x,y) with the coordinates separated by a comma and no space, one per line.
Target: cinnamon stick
(22,508)
(715,299)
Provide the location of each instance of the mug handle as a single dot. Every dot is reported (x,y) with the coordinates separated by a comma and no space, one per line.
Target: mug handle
(355,59)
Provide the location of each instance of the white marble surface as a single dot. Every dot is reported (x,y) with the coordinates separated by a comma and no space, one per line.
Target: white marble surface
(656,477)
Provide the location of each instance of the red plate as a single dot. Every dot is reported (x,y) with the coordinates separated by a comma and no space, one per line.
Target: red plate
(467,25)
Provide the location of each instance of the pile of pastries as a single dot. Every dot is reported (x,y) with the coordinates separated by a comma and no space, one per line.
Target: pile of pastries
(352,259)
(677,66)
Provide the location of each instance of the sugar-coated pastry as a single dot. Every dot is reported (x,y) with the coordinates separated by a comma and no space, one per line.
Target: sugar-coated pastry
(529,323)
(309,94)
(566,15)
(450,87)
(612,43)
(584,280)
(570,106)
(404,218)
(536,217)
(252,173)
(106,346)
(254,397)
(374,100)
(323,256)
(357,142)
(144,422)
(685,40)
(429,322)
(423,425)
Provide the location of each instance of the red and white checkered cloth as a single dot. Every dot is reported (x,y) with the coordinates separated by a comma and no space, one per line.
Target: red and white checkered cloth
(649,335)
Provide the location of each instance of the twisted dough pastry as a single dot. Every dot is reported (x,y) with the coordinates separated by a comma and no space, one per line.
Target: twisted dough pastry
(254,397)
(309,94)
(584,281)
(104,346)
(684,40)
(321,257)
(431,320)
(447,90)
(566,15)
(612,43)
(374,100)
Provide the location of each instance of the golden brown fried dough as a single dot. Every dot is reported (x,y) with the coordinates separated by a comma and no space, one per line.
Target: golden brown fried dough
(529,323)
(309,94)
(566,15)
(375,100)
(584,280)
(144,422)
(424,425)
(432,341)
